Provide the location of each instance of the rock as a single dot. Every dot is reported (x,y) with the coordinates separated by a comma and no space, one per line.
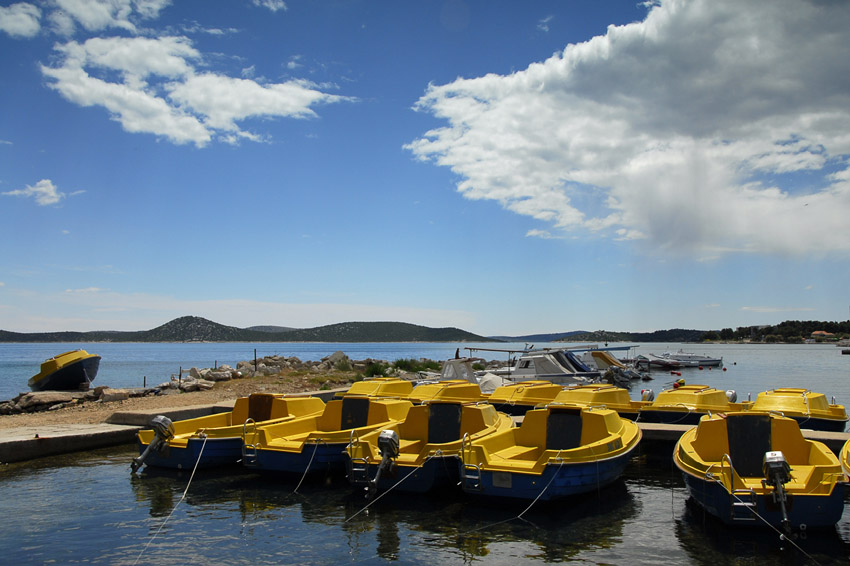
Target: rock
(29,401)
(218,376)
(111,395)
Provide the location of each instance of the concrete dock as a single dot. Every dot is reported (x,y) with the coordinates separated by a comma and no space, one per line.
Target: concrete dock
(26,443)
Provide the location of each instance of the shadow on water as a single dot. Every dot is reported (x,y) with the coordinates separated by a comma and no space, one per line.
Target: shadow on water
(708,541)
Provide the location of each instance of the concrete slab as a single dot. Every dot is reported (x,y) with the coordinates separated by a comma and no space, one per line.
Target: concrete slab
(26,443)
(142,418)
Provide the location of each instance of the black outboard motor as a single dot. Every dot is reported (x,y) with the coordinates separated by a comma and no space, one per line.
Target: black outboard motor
(388,445)
(163,432)
(777,473)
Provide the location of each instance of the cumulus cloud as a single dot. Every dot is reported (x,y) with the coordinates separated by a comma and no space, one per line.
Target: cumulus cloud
(97,15)
(677,132)
(273,5)
(44,193)
(151,85)
(20,20)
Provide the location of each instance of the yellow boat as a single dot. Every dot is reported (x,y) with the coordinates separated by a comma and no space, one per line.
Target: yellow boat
(559,451)
(518,398)
(602,395)
(379,387)
(216,440)
(318,442)
(685,404)
(845,459)
(458,390)
(421,452)
(757,469)
(810,410)
(66,371)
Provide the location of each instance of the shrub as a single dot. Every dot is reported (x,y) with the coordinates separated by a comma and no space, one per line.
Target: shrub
(375,369)
(412,366)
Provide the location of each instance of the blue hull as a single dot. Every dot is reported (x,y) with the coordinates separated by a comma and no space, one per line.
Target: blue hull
(321,457)
(809,510)
(217,452)
(434,474)
(70,377)
(566,480)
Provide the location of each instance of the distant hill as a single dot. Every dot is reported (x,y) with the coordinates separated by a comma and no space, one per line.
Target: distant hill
(269,328)
(551,337)
(673,335)
(197,329)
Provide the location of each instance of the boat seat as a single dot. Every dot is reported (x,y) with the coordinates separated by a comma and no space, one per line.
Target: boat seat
(443,422)
(355,412)
(749,439)
(260,406)
(563,429)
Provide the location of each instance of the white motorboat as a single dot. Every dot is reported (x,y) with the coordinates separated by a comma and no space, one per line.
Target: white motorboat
(688,359)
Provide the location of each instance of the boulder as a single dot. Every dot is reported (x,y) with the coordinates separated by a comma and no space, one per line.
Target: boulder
(218,376)
(111,395)
(29,401)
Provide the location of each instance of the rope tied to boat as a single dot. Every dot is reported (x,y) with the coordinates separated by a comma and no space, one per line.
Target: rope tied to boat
(782,536)
(410,473)
(179,501)
(310,463)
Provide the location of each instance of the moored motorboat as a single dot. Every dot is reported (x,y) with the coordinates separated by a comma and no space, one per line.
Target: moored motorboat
(558,365)
(685,404)
(811,410)
(690,359)
(602,395)
(518,398)
(757,469)
(317,443)
(216,440)
(559,451)
(67,371)
(421,452)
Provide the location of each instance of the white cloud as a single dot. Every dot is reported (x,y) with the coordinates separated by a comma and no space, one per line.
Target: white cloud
(97,15)
(674,132)
(273,5)
(156,89)
(20,20)
(543,24)
(44,193)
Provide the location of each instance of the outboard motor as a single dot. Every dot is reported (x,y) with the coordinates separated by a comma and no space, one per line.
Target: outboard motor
(731,395)
(647,395)
(163,430)
(388,446)
(777,473)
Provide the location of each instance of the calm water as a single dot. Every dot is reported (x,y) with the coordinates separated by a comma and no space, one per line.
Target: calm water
(88,508)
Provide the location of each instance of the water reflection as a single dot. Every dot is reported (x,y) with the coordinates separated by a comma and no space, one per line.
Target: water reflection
(708,541)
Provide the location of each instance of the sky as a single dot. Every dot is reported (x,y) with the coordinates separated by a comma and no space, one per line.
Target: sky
(502,167)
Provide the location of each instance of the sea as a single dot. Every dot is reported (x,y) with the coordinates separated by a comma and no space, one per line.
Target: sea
(88,508)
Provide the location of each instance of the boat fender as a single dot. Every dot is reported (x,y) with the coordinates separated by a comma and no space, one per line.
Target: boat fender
(731,395)
(163,430)
(647,395)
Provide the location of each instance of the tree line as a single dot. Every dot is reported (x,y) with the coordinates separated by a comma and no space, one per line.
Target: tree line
(792,331)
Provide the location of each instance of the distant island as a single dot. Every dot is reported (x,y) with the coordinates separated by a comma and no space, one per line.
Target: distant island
(197,329)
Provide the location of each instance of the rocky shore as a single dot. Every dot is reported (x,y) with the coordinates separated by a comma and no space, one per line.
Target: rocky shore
(275,374)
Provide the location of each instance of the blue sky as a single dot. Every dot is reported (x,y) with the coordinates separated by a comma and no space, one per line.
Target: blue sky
(502,167)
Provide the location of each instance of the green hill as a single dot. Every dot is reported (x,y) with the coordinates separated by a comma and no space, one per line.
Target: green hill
(197,329)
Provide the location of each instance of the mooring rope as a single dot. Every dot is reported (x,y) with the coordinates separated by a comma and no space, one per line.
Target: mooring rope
(179,501)
(413,469)
(310,463)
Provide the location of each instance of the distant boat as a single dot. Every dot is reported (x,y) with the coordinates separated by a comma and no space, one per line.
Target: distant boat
(689,359)
(558,365)
(68,371)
